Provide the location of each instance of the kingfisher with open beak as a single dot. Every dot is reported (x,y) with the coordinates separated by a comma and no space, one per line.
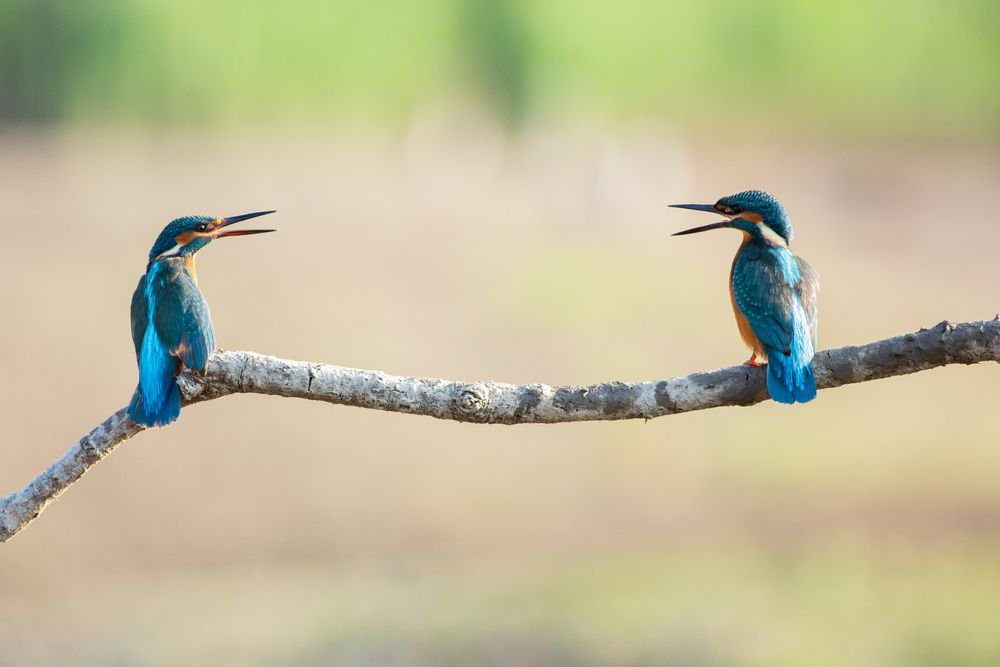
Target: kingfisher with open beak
(773,292)
(171,324)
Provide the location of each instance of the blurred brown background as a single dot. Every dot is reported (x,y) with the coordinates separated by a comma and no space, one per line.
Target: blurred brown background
(478,190)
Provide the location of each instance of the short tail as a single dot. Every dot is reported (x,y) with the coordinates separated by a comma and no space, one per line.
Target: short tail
(168,413)
(789,382)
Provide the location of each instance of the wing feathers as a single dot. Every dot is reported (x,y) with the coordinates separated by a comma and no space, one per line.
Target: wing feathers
(776,292)
(182,320)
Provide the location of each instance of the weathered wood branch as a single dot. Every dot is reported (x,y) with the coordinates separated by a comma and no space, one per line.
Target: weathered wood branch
(499,403)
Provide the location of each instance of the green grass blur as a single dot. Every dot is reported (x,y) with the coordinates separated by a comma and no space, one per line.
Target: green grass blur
(477,190)
(902,68)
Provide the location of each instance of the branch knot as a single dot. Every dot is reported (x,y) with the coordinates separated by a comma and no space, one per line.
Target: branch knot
(471,400)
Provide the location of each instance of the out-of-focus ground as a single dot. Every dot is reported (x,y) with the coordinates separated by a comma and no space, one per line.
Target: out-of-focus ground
(861,529)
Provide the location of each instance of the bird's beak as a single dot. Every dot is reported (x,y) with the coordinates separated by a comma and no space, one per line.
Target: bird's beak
(225,222)
(707,208)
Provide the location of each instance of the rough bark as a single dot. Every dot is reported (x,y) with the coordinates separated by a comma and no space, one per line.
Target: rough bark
(500,403)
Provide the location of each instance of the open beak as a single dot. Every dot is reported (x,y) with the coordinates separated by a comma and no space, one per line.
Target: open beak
(707,208)
(225,222)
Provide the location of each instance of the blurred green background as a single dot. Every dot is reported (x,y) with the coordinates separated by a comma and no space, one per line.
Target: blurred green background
(477,190)
(883,67)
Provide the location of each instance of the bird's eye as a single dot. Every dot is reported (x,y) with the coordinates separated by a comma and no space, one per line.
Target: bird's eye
(202,227)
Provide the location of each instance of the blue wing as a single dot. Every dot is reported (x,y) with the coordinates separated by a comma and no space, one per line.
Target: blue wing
(775,291)
(182,320)
(764,293)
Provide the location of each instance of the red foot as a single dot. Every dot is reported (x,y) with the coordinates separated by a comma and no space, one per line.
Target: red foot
(752,361)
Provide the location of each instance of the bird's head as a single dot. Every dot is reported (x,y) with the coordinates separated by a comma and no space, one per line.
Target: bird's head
(754,212)
(186,236)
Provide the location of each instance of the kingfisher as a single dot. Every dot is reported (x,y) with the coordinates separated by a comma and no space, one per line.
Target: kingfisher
(773,292)
(171,325)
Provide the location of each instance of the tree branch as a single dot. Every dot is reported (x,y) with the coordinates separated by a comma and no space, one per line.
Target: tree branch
(499,403)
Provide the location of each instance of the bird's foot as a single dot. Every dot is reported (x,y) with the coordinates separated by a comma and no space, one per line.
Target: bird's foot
(752,361)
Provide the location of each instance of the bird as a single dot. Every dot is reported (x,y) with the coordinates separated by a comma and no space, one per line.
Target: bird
(773,292)
(171,324)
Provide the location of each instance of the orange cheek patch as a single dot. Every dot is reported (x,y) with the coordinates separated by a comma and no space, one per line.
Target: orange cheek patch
(185,238)
(751,216)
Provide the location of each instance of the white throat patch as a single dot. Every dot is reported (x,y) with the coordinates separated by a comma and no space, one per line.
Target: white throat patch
(771,235)
(173,252)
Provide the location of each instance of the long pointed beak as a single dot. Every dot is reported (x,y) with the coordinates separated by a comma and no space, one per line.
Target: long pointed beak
(706,208)
(241,232)
(704,228)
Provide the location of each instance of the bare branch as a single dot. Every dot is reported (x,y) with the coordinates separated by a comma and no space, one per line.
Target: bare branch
(499,403)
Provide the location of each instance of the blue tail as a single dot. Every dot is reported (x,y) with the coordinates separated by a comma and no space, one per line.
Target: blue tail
(157,399)
(788,381)
(167,413)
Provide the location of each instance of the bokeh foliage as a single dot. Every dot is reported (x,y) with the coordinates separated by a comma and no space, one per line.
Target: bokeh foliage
(877,67)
